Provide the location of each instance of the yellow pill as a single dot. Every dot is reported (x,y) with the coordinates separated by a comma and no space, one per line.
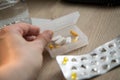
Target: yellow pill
(51,46)
(74,76)
(73,33)
(64,62)
(65,59)
(57,46)
(75,39)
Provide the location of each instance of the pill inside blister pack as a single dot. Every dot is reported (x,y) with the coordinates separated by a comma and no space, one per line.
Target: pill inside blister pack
(97,62)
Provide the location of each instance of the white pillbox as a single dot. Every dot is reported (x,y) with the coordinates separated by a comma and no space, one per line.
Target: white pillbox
(62,26)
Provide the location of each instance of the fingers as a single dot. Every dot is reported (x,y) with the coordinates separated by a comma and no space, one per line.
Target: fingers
(24,29)
(32,33)
(44,38)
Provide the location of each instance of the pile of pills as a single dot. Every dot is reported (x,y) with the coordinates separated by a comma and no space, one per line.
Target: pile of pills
(97,62)
(59,40)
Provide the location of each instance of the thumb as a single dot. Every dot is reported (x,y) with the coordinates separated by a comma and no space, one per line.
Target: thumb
(44,38)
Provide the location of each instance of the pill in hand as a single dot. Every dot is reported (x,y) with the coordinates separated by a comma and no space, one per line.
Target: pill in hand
(60,41)
(56,38)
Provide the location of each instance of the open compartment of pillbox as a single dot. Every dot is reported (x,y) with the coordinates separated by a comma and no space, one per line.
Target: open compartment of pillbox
(63,27)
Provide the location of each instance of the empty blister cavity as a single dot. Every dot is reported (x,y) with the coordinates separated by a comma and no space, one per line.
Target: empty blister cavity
(84,59)
(97,62)
(94,62)
(113,53)
(83,66)
(94,70)
(114,61)
(74,68)
(74,60)
(84,74)
(94,55)
(111,45)
(103,58)
(105,67)
(103,50)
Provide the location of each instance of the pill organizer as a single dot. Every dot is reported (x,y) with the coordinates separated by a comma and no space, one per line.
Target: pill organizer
(97,62)
(62,28)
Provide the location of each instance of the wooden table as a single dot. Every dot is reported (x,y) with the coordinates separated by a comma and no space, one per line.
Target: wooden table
(100,24)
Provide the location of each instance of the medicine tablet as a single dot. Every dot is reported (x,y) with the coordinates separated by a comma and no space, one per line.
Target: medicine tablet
(56,38)
(75,39)
(60,41)
(68,40)
(73,33)
(51,46)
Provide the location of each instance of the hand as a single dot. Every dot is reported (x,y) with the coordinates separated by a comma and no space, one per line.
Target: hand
(21,48)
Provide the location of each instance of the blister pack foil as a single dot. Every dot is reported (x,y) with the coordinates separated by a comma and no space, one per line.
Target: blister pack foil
(98,62)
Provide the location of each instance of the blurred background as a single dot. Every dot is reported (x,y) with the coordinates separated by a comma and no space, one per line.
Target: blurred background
(99,21)
(12,11)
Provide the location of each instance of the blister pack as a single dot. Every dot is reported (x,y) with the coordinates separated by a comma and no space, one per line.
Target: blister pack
(97,62)
(66,36)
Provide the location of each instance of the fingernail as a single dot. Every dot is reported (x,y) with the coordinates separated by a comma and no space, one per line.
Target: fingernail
(50,33)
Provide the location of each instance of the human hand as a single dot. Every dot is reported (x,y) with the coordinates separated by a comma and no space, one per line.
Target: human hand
(21,48)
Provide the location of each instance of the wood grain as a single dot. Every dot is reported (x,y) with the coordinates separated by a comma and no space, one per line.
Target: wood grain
(100,24)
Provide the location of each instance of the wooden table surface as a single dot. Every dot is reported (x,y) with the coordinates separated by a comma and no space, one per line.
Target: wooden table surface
(100,24)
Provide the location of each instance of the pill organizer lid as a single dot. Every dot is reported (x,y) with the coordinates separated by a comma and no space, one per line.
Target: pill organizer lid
(61,22)
(39,21)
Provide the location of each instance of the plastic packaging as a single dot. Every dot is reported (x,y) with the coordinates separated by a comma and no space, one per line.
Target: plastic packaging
(97,62)
(12,11)
(63,26)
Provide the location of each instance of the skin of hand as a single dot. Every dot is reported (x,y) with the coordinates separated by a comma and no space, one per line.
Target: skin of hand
(21,48)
